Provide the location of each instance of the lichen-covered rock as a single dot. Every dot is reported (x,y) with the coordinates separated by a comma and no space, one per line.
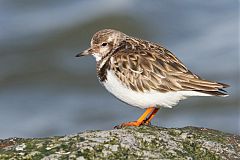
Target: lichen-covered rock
(146,142)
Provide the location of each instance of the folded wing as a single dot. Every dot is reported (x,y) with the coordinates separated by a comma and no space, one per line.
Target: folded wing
(158,69)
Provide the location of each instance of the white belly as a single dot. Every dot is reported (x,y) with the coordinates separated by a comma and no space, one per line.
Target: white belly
(145,99)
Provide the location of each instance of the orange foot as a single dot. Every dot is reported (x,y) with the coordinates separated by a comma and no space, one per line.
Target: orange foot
(149,113)
(134,123)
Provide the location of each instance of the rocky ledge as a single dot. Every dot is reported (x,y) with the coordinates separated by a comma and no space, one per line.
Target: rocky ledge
(146,142)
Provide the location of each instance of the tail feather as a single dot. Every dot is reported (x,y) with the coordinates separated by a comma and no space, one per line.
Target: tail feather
(219,91)
(224,85)
(215,93)
(205,86)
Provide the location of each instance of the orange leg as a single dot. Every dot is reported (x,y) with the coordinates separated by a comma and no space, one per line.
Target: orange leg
(150,112)
(150,117)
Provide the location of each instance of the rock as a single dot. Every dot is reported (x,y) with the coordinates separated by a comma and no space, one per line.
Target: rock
(145,142)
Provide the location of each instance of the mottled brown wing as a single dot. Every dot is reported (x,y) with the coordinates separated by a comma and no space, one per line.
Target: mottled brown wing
(157,69)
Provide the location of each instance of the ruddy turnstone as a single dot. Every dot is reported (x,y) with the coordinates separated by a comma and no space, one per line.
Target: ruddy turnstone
(145,74)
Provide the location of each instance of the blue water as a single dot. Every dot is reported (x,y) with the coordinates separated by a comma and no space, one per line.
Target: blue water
(46,91)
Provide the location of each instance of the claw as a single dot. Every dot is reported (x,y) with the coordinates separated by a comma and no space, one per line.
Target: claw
(134,123)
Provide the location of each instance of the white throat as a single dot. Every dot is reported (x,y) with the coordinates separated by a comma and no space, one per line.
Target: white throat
(97,56)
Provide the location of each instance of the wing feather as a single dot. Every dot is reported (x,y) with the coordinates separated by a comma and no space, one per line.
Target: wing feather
(158,69)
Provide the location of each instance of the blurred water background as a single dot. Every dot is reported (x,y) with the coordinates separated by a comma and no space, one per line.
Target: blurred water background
(46,91)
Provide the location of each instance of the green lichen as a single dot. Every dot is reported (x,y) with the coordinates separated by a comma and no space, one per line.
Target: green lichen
(145,142)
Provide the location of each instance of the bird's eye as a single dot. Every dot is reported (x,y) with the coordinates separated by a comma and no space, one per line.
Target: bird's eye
(104,44)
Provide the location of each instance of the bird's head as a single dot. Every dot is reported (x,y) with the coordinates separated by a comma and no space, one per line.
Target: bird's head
(103,42)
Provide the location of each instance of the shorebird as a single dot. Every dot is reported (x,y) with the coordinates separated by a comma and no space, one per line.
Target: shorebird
(145,74)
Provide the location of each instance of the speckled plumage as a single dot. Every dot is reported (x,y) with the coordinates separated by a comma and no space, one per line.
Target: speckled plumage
(145,67)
